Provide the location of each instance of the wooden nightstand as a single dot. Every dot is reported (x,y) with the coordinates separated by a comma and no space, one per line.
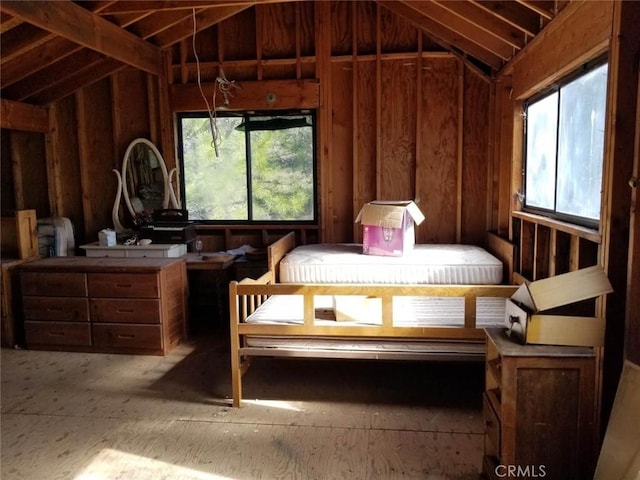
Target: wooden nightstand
(539,410)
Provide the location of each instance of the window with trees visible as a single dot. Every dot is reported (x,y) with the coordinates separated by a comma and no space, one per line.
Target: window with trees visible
(260,169)
(564,147)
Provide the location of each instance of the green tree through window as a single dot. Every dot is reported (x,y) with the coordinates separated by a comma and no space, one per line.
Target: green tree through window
(264,170)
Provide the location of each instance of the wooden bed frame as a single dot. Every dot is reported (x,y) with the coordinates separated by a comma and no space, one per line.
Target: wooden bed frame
(246,296)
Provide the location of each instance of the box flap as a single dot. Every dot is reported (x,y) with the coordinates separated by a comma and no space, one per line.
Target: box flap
(389,213)
(569,288)
(390,216)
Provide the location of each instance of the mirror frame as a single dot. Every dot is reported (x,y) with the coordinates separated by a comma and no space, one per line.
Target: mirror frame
(168,197)
(125,165)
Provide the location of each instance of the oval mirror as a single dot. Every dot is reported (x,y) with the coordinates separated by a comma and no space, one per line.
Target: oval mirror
(144,183)
(144,179)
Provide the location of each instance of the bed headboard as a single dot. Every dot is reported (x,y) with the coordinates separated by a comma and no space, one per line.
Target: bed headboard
(505,251)
(276,252)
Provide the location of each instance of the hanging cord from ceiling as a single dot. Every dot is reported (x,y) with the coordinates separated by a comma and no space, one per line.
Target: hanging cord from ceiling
(225,86)
(210,110)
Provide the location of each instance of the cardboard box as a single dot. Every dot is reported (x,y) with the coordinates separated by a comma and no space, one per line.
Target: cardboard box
(388,227)
(357,308)
(525,322)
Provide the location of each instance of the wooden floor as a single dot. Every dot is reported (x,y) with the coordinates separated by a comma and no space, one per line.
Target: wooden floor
(93,416)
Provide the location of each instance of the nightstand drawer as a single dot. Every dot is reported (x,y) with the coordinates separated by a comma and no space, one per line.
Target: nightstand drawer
(56,309)
(127,337)
(51,284)
(57,333)
(146,310)
(127,285)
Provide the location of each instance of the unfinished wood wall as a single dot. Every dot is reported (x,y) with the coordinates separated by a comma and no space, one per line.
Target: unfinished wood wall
(398,118)
(581,32)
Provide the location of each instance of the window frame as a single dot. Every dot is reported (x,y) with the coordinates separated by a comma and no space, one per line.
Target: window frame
(556,87)
(243,116)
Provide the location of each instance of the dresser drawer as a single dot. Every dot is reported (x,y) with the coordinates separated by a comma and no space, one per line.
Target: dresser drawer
(56,309)
(124,285)
(127,337)
(491,428)
(53,284)
(57,333)
(110,310)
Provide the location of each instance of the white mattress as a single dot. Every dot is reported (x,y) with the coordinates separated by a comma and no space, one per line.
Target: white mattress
(426,264)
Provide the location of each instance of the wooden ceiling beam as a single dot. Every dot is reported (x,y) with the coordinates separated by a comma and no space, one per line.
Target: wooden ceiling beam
(145,5)
(7,22)
(160,21)
(29,63)
(52,75)
(22,116)
(21,39)
(76,80)
(462,26)
(544,8)
(204,19)
(512,13)
(447,38)
(486,21)
(89,30)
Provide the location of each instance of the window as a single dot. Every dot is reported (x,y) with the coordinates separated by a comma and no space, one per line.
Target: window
(264,170)
(565,148)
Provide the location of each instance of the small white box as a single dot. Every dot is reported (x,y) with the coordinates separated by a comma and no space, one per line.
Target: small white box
(107,237)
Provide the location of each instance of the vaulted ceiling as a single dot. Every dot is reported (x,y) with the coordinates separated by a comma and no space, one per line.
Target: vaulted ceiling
(49,49)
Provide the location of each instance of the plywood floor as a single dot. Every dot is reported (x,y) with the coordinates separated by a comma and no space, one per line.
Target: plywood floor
(92,416)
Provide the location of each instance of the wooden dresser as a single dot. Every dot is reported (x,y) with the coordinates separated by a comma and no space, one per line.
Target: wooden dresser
(539,410)
(118,305)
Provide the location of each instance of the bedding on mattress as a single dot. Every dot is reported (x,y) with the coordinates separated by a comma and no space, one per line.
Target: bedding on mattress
(433,264)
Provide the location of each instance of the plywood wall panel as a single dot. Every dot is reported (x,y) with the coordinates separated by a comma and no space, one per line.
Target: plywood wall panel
(65,190)
(307,31)
(436,186)
(341,31)
(366,25)
(278,26)
(365,160)
(475,158)
(29,171)
(398,135)
(397,35)
(7,192)
(238,35)
(340,189)
(97,157)
(130,108)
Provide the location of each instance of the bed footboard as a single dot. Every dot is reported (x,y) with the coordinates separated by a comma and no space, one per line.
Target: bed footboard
(265,311)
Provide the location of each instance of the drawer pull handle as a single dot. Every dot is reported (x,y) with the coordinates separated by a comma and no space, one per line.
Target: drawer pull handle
(56,334)
(123,285)
(125,310)
(54,309)
(129,337)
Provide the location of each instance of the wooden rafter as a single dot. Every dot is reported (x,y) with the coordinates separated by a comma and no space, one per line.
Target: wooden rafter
(514,14)
(89,30)
(159,22)
(21,39)
(145,5)
(489,23)
(204,19)
(22,116)
(448,38)
(462,26)
(545,8)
